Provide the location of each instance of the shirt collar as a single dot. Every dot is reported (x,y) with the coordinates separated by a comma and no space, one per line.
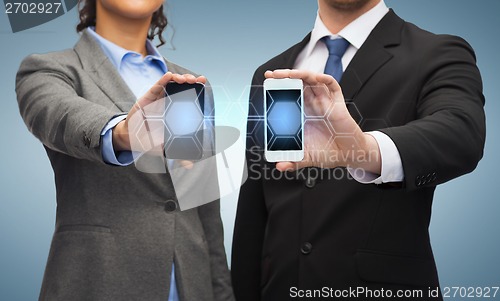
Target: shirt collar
(355,32)
(116,54)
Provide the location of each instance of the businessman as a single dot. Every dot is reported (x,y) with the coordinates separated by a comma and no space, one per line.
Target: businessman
(411,102)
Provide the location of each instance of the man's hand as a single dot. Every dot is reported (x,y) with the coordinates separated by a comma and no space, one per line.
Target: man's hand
(147,133)
(350,147)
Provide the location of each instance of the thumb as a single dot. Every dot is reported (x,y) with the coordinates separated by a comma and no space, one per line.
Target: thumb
(291,166)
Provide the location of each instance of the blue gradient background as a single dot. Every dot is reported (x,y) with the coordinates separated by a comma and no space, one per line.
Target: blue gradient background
(226,40)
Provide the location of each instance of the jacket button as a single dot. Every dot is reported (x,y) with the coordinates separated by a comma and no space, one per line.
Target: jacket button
(429,179)
(306,248)
(310,182)
(170,206)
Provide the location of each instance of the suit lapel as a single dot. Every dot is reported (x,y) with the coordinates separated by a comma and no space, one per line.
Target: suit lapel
(372,55)
(287,59)
(361,68)
(103,73)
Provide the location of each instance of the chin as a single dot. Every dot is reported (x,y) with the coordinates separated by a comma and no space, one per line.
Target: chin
(348,5)
(133,9)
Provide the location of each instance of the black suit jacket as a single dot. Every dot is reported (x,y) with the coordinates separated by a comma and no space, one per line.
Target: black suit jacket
(322,228)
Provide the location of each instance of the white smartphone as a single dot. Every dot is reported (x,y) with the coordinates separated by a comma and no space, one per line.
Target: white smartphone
(284,120)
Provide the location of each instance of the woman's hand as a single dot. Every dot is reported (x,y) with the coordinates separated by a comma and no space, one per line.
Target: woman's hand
(139,132)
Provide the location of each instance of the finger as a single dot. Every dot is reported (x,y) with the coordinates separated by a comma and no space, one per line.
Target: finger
(310,81)
(178,78)
(157,90)
(339,111)
(317,100)
(151,95)
(304,75)
(286,166)
(187,164)
(307,77)
(201,79)
(291,166)
(165,79)
(280,73)
(190,79)
(332,85)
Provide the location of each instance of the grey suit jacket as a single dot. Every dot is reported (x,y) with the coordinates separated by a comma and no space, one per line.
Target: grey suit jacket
(117,230)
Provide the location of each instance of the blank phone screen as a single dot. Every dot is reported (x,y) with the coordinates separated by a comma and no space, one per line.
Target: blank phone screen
(284,120)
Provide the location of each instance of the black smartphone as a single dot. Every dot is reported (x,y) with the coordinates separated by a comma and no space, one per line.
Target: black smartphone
(184,120)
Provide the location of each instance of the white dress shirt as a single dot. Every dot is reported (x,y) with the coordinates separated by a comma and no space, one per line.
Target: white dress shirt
(313,58)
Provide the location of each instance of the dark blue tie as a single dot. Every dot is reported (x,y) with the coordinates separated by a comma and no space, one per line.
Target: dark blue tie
(336,49)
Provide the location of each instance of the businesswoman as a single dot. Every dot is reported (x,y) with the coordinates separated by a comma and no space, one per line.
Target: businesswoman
(119,232)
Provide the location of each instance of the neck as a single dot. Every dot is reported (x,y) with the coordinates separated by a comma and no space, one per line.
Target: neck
(130,34)
(336,19)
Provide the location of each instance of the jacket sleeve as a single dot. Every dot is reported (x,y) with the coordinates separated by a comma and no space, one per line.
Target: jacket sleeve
(54,112)
(447,138)
(251,215)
